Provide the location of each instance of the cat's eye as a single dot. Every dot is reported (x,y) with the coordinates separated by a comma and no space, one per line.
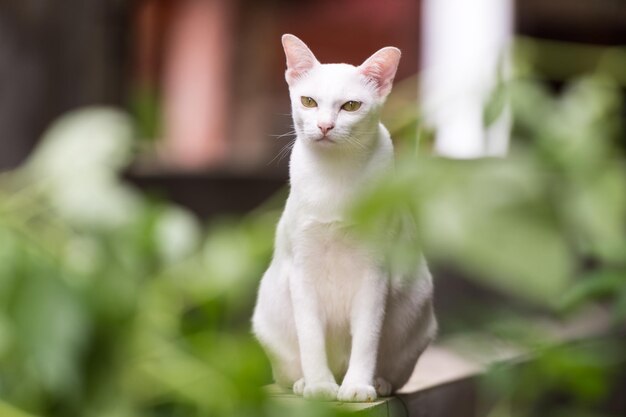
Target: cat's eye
(308,102)
(351,105)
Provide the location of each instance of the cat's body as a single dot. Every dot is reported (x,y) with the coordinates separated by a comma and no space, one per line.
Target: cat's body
(327,311)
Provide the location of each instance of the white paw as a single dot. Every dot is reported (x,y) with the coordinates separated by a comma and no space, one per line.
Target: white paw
(325,391)
(298,387)
(356,393)
(383,388)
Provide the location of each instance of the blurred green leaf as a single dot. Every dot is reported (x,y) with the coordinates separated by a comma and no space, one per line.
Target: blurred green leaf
(594,285)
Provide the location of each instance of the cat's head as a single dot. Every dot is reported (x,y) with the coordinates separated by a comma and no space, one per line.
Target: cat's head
(337,104)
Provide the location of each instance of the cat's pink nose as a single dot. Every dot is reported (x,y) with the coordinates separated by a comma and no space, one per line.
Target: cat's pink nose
(325,127)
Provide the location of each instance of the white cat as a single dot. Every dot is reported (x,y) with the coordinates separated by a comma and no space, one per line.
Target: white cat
(327,310)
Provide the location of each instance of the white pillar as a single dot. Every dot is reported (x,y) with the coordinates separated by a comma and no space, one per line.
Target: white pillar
(464,44)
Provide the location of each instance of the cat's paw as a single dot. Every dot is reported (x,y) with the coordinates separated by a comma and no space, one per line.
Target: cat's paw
(356,393)
(325,391)
(298,387)
(383,388)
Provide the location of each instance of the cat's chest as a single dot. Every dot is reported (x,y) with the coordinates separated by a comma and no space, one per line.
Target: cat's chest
(333,258)
(334,261)
(325,200)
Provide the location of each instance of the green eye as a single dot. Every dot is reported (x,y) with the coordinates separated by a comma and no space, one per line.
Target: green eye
(308,102)
(351,105)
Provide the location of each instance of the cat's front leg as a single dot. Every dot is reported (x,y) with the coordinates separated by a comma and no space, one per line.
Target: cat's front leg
(367,314)
(319,382)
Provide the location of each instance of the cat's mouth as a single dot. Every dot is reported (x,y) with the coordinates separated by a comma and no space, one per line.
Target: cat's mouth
(324,139)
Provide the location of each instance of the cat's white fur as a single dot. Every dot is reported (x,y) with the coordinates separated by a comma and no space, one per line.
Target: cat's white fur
(327,311)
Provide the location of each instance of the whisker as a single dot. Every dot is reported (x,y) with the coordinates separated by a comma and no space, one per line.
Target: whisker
(284,134)
(283,152)
(355,141)
(289,133)
(287,151)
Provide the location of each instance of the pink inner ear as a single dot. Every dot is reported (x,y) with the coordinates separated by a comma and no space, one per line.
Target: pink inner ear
(299,58)
(381,69)
(298,63)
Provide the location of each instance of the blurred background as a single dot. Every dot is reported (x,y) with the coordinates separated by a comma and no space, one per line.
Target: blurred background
(143,165)
(204,80)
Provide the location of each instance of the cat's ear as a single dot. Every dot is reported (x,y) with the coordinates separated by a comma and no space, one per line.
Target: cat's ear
(381,68)
(300,59)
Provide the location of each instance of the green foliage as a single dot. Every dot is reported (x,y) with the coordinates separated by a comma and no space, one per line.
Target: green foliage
(115,305)
(557,380)
(524,225)
(145,106)
(546,225)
